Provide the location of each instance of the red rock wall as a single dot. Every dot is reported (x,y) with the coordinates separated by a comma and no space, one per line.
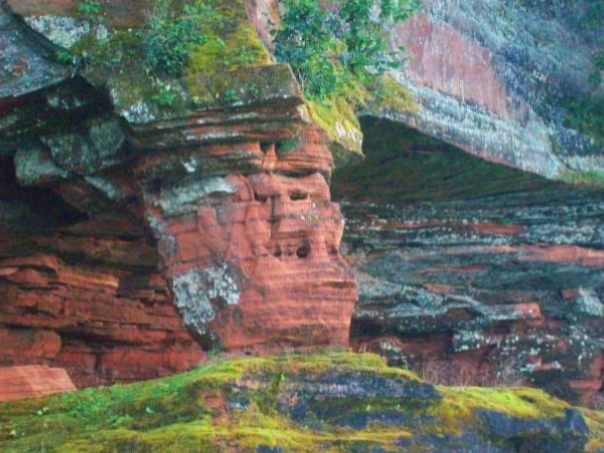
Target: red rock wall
(181,249)
(101,323)
(135,237)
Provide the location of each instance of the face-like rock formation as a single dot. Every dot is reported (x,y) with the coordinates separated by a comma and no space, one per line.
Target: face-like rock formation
(254,259)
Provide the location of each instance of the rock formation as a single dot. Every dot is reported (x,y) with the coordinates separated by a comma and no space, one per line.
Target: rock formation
(301,403)
(517,82)
(134,237)
(146,218)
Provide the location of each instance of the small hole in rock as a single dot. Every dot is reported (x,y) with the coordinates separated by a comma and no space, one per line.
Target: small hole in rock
(303,251)
(218,303)
(265,147)
(298,195)
(260,198)
(278,252)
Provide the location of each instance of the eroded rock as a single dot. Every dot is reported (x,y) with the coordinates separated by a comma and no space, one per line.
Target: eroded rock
(208,224)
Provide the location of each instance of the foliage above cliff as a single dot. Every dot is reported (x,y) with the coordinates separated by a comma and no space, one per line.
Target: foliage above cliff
(185,53)
(335,401)
(340,55)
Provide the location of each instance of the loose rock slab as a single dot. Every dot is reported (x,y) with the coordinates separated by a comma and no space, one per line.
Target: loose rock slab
(22,382)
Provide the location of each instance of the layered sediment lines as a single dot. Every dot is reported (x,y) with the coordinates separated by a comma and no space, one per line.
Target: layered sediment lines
(472,273)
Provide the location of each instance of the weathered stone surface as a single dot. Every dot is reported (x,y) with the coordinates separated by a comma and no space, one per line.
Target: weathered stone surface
(318,399)
(255,258)
(490,77)
(199,294)
(25,61)
(34,166)
(473,272)
(101,148)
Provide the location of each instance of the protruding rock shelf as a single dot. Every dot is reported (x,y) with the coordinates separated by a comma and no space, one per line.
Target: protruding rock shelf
(513,82)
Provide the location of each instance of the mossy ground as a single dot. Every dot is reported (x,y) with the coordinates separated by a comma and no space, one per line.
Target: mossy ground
(185,413)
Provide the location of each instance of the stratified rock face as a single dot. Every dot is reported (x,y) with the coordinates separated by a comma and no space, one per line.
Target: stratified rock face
(496,77)
(473,272)
(84,295)
(134,236)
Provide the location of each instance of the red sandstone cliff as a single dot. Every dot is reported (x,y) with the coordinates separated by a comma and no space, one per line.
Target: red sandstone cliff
(132,242)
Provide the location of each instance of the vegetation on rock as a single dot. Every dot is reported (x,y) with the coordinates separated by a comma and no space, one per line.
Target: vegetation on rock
(335,401)
(329,49)
(177,39)
(340,55)
(585,111)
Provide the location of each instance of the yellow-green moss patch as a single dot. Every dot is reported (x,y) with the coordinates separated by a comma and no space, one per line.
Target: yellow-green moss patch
(236,404)
(593,178)
(180,413)
(461,403)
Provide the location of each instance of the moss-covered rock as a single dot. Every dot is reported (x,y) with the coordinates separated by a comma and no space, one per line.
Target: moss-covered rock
(335,401)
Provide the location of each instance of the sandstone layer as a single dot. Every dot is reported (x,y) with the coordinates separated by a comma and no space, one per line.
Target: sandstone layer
(32,381)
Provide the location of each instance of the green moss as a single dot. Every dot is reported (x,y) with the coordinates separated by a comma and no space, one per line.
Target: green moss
(162,413)
(236,47)
(457,409)
(232,45)
(337,114)
(227,43)
(595,422)
(389,95)
(513,401)
(337,117)
(191,412)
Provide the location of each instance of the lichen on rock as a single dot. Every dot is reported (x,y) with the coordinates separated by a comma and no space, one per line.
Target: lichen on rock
(201,293)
